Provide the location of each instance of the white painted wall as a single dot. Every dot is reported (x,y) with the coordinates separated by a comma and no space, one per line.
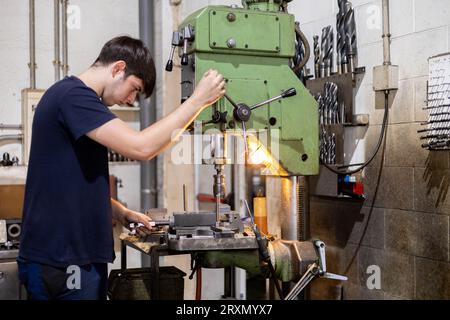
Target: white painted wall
(94,23)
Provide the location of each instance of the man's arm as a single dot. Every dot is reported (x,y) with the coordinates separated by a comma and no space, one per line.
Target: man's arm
(147,143)
(126,216)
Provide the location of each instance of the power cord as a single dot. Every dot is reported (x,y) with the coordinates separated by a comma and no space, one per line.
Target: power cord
(377,149)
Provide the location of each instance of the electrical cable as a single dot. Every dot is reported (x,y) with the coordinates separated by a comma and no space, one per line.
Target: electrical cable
(301,38)
(369,216)
(377,149)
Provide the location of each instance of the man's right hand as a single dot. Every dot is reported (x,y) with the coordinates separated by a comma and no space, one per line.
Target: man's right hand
(209,89)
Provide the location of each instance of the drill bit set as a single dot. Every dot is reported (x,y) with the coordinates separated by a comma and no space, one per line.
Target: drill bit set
(437,128)
(346,45)
(331,113)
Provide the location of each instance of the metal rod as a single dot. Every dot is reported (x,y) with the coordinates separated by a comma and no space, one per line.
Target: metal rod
(184,198)
(10,126)
(65,51)
(57,62)
(18,137)
(32,29)
(433,129)
(231,101)
(266,102)
(434,121)
(436,136)
(386,33)
(150,172)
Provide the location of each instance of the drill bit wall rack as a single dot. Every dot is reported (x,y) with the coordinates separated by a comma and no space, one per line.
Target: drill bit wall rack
(336,79)
(436,130)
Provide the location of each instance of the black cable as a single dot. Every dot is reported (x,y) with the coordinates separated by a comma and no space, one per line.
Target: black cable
(377,149)
(305,42)
(369,216)
(301,38)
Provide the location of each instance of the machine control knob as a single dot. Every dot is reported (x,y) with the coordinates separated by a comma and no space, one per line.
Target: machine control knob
(242,112)
(231,43)
(231,17)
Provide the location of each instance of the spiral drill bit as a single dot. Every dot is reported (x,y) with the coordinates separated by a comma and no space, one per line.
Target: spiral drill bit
(327,49)
(323,50)
(340,35)
(316,56)
(350,36)
(330,52)
(334,103)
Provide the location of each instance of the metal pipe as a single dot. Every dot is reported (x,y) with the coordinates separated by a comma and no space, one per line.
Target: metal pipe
(10,126)
(148,109)
(17,137)
(32,29)
(386,34)
(295,208)
(149,169)
(65,45)
(56,26)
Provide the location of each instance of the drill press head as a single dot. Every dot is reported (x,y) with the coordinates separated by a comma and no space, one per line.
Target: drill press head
(252,48)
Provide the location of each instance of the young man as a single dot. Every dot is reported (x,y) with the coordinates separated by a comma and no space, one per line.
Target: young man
(67,228)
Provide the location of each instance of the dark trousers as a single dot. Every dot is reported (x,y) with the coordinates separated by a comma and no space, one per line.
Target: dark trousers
(44,282)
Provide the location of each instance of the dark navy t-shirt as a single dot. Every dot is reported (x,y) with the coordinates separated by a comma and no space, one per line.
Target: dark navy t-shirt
(67,208)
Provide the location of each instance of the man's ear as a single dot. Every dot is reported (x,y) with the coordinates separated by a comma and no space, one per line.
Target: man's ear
(118,67)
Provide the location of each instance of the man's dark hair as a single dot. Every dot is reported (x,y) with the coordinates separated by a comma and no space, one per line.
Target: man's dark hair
(137,57)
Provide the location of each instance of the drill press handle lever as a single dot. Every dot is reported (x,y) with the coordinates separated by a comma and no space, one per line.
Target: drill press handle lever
(320,246)
(285,94)
(176,41)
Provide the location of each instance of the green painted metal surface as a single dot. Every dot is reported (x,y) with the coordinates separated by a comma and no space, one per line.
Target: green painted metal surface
(257,68)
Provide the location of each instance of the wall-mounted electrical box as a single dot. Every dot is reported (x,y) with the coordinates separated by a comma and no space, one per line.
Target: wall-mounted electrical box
(385,77)
(30,99)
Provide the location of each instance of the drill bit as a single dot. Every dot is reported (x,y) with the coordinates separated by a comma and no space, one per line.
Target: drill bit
(316,56)
(330,53)
(320,103)
(333,149)
(327,49)
(323,49)
(333,95)
(350,36)
(340,35)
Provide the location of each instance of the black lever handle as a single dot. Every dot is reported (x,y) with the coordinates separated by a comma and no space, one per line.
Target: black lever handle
(289,93)
(169,65)
(175,43)
(285,94)
(184,59)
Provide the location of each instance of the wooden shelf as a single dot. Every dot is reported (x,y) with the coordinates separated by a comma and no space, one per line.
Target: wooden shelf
(124,109)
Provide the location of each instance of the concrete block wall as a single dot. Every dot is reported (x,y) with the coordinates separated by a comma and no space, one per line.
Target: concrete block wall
(404,229)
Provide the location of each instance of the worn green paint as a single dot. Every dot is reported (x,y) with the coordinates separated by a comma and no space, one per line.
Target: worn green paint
(244,259)
(257,72)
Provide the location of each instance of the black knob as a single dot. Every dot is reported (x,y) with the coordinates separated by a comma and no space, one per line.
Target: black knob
(242,112)
(184,60)
(289,93)
(169,66)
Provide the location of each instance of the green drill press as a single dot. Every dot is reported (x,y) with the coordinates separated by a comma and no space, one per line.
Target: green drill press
(252,48)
